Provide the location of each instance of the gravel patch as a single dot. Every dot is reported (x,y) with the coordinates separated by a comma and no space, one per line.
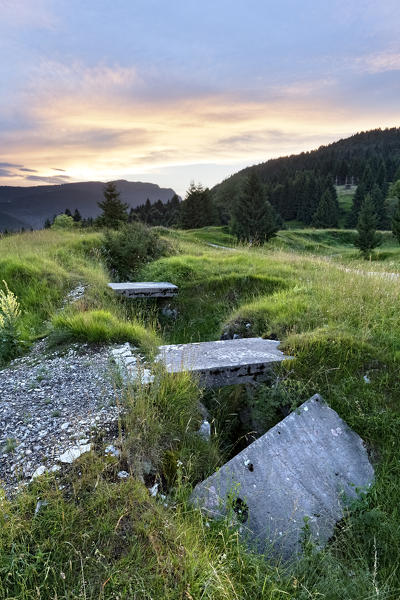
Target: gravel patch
(49,407)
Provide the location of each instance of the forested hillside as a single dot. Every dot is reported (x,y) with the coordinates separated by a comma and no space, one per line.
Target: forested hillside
(296,184)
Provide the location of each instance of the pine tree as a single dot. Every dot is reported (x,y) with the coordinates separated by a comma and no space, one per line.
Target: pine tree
(368,178)
(367,238)
(396,223)
(379,204)
(356,206)
(197,209)
(327,211)
(173,210)
(115,212)
(253,218)
(146,212)
(47,224)
(77,216)
(68,212)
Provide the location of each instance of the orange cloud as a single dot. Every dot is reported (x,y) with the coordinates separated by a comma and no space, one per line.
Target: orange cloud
(104,122)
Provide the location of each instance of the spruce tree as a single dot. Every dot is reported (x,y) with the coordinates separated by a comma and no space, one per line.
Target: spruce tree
(253,218)
(197,209)
(77,216)
(396,223)
(326,215)
(379,204)
(115,212)
(367,238)
(356,206)
(146,211)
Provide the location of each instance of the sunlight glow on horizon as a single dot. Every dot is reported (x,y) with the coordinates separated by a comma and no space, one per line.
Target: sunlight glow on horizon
(151,106)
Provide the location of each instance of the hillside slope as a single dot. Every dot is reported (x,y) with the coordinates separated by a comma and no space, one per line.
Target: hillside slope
(33,205)
(296,181)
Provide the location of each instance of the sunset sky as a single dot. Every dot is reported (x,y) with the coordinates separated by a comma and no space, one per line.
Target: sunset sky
(180,90)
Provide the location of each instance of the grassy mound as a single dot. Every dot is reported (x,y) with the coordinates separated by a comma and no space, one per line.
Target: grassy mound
(97,326)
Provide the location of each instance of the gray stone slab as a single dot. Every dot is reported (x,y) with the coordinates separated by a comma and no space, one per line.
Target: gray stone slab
(224,362)
(145,289)
(308,467)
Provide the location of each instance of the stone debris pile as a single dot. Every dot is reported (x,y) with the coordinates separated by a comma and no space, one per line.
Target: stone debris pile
(49,405)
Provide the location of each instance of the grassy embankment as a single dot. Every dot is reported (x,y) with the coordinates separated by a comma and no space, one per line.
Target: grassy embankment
(41,267)
(102,538)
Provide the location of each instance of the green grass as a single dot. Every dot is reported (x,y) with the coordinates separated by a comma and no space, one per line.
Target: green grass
(97,326)
(41,267)
(99,537)
(345,199)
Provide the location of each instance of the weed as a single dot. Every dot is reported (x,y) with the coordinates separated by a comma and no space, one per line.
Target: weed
(10,445)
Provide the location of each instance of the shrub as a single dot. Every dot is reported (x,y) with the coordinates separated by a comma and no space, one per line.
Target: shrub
(130,247)
(63,222)
(9,324)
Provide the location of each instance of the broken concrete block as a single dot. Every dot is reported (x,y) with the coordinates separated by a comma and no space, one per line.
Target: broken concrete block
(224,362)
(304,470)
(145,289)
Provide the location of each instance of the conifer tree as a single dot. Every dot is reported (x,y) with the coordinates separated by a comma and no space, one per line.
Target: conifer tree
(379,204)
(68,212)
(115,212)
(367,238)
(356,206)
(197,209)
(253,218)
(77,216)
(327,211)
(396,223)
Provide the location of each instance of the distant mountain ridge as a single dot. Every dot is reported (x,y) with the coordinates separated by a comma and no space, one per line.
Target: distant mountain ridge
(31,206)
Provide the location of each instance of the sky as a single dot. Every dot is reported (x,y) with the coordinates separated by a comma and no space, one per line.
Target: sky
(181,90)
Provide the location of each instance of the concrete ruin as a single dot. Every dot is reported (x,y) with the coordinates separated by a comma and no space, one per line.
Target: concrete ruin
(298,476)
(224,362)
(145,289)
(214,364)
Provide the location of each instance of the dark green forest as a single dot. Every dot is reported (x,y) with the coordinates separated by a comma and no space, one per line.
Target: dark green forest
(300,188)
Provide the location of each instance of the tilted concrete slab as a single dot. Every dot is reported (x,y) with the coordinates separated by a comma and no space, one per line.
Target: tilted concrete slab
(224,362)
(306,468)
(145,289)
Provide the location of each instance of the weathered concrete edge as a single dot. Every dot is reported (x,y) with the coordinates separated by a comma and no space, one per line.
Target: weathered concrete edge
(211,495)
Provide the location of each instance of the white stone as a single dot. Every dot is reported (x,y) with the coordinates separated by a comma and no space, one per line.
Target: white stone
(39,471)
(112,450)
(205,430)
(154,490)
(73,453)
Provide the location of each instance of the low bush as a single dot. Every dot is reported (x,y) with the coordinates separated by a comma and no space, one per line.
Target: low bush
(129,248)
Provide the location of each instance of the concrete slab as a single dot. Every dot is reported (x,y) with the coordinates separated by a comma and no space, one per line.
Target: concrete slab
(224,362)
(145,289)
(306,468)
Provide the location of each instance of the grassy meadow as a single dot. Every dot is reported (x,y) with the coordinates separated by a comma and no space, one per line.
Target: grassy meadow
(100,537)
